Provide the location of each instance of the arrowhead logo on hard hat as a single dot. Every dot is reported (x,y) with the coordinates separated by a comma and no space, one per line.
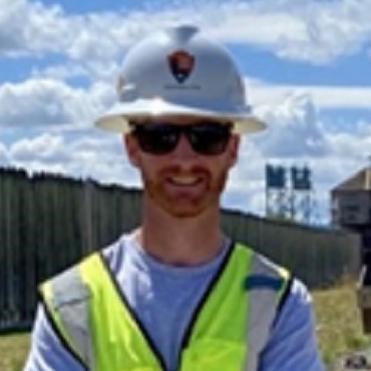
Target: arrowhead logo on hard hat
(181,64)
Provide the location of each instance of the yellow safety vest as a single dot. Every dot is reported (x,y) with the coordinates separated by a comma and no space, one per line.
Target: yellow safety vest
(228,331)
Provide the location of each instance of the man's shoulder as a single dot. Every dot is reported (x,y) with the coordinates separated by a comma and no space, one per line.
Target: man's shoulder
(64,288)
(263,264)
(68,285)
(294,291)
(108,251)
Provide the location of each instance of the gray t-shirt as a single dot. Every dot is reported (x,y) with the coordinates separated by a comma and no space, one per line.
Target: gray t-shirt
(161,294)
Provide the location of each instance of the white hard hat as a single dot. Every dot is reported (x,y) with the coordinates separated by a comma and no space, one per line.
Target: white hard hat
(179,72)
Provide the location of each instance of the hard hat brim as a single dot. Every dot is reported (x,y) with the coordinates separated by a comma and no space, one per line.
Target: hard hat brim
(117,118)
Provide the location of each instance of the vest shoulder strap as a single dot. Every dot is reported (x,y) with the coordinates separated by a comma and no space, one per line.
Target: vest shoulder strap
(66,301)
(268,284)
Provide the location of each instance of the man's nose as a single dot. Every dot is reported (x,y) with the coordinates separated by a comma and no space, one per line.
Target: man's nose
(183,150)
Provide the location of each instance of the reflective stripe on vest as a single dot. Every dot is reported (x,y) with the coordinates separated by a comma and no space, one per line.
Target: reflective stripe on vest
(228,331)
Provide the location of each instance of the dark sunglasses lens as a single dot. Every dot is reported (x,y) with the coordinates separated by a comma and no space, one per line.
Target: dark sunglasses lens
(156,139)
(210,139)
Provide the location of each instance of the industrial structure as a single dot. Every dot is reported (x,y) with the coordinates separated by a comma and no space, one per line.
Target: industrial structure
(289,193)
(351,209)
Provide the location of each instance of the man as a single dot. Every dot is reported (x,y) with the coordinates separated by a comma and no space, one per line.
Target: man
(177,294)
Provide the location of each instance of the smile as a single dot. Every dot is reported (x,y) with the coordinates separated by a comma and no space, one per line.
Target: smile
(185,180)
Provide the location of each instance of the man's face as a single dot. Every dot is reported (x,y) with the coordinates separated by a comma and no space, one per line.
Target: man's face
(182,182)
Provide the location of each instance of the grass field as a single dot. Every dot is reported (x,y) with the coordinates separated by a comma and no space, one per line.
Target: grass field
(338,322)
(13,351)
(338,328)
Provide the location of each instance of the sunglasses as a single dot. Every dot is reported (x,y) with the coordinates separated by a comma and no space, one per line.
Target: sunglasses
(205,138)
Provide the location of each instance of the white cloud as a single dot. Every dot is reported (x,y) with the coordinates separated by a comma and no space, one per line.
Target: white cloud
(245,187)
(293,129)
(30,27)
(50,102)
(350,145)
(312,31)
(297,137)
(80,153)
(296,133)
(47,148)
(324,97)
(60,72)
(4,159)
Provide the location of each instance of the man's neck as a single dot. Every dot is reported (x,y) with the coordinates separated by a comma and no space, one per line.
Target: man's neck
(181,241)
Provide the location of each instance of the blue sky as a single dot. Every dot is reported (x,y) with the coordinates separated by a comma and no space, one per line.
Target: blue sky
(306,67)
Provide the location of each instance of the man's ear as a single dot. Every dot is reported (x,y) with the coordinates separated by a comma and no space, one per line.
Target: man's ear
(132,149)
(234,146)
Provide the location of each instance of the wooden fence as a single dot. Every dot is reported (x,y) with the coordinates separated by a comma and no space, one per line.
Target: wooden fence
(48,222)
(318,256)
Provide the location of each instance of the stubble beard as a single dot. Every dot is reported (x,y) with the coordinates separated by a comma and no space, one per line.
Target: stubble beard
(186,207)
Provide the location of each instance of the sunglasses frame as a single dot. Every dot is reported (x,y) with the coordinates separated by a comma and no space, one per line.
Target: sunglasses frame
(193,133)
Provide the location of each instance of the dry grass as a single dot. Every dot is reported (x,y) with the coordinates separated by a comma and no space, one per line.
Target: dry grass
(338,327)
(338,322)
(13,351)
